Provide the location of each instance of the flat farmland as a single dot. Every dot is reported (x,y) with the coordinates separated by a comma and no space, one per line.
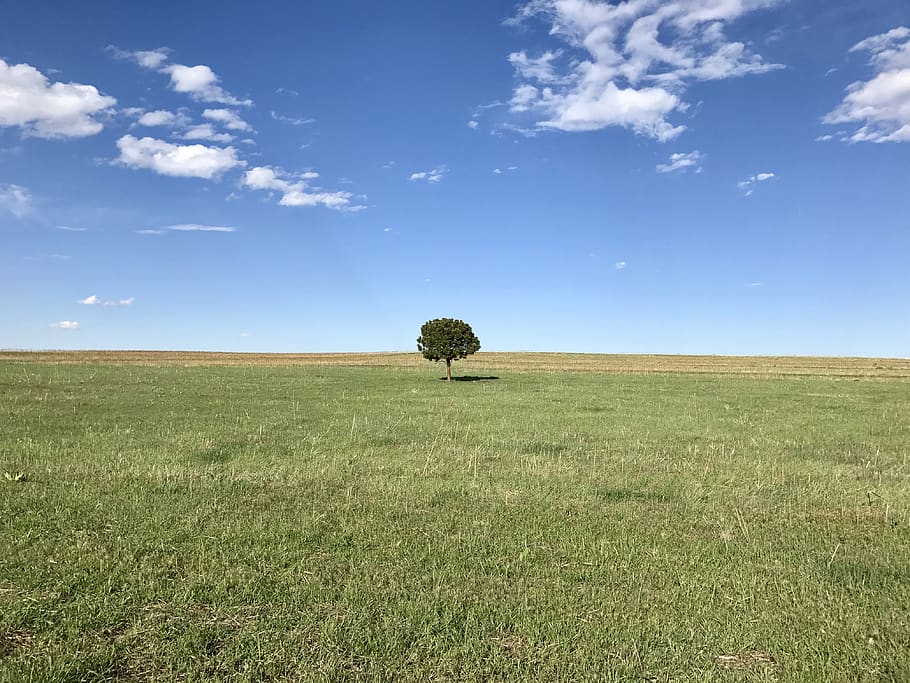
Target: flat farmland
(188,516)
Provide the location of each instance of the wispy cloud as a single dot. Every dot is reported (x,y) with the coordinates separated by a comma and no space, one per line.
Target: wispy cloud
(186,227)
(748,185)
(69,228)
(228,118)
(296,189)
(49,257)
(472,124)
(882,104)
(15,199)
(620,265)
(186,161)
(291,119)
(195,227)
(627,64)
(432,176)
(94,300)
(65,325)
(682,162)
(29,101)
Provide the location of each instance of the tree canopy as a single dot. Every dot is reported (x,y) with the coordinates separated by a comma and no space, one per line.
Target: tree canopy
(447,339)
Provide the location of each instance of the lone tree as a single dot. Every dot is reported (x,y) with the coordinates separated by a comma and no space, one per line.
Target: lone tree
(447,339)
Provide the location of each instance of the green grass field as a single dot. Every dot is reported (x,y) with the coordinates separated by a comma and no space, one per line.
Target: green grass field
(322,522)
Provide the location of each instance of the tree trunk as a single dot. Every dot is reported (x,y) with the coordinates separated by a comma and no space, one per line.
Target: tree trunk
(448,370)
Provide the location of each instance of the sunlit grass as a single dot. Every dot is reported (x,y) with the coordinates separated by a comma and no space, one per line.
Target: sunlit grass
(318,522)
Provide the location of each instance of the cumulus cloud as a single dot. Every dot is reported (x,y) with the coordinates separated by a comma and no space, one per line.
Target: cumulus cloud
(15,199)
(66,325)
(28,100)
(161,117)
(198,82)
(432,176)
(682,162)
(748,185)
(472,124)
(620,265)
(295,189)
(227,118)
(880,105)
(185,161)
(627,64)
(205,131)
(89,300)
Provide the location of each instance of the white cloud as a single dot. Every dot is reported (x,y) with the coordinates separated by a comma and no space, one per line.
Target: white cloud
(880,105)
(120,302)
(748,185)
(186,161)
(69,228)
(148,59)
(432,176)
(49,110)
(186,227)
(472,124)
(620,265)
(628,63)
(205,131)
(540,69)
(161,117)
(200,83)
(229,119)
(15,199)
(682,161)
(290,119)
(93,300)
(295,189)
(66,325)
(196,227)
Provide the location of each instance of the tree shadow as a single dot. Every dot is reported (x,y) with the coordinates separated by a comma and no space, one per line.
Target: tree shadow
(469,378)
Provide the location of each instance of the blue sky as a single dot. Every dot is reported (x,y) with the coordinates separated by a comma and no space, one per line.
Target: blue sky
(685,176)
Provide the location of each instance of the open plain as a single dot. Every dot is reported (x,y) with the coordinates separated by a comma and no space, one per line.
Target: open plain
(187,516)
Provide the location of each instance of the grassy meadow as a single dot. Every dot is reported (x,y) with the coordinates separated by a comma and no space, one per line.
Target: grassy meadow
(558,518)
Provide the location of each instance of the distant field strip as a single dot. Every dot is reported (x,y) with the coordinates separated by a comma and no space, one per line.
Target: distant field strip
(484,361)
